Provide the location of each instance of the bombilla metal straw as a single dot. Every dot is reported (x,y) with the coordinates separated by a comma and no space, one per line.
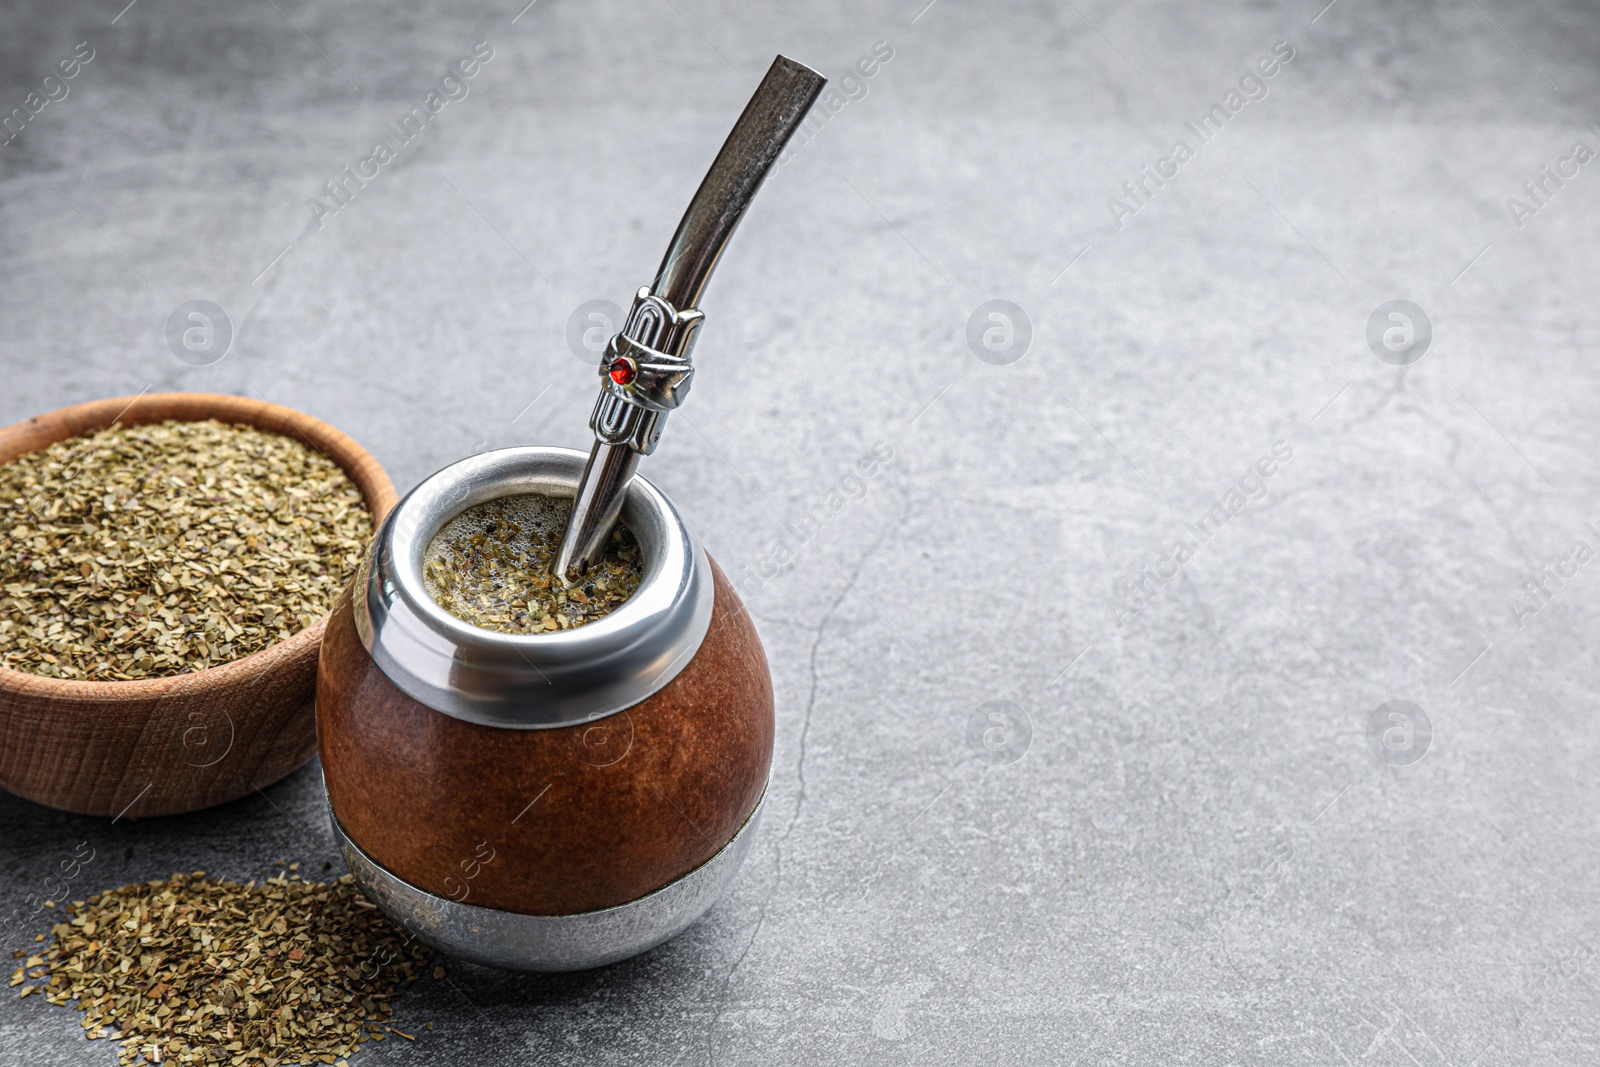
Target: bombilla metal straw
(646,371)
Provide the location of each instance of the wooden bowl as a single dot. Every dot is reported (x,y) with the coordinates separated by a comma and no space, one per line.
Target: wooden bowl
(158,746)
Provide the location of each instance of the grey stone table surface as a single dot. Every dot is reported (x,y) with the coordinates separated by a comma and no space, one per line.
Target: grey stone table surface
(1197,834)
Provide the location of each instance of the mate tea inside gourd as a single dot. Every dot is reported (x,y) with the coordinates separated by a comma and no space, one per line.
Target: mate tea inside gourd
(490,566)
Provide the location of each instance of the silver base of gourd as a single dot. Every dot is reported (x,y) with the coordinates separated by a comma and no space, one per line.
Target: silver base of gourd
(576,942)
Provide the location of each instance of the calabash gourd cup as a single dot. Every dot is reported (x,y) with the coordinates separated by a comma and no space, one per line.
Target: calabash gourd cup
(563,800)
(551,801)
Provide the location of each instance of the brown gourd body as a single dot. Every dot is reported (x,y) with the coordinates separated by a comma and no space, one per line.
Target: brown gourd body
(549,821)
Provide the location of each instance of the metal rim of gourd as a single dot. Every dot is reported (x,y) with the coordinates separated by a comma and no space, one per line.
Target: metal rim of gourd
(530,681)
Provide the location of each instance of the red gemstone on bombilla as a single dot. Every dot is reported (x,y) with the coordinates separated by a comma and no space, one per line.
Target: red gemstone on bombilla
(622,370)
